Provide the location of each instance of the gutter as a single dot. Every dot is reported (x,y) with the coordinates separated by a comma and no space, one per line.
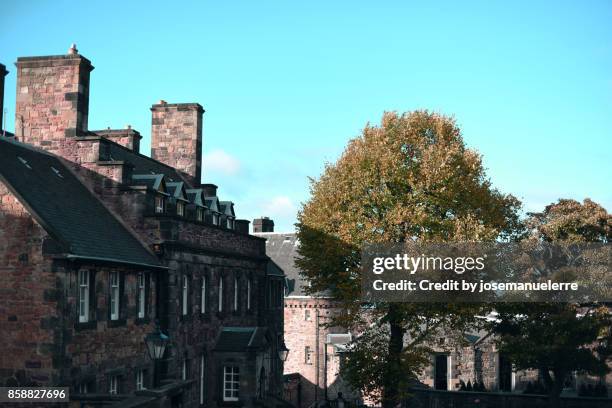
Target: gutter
(72,257)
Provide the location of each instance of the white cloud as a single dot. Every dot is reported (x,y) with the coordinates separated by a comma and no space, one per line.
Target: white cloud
(280,207)
(220,162)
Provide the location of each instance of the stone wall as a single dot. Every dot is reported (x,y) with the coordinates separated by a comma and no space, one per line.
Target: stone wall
(27,298)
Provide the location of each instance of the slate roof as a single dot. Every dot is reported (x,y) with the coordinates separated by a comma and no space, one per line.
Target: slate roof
(195,196)
(239,339)
(66,209)
(282,249)
(212,203)
(227,208)
(177,190)
(151,181)
(142,164)
(272,269)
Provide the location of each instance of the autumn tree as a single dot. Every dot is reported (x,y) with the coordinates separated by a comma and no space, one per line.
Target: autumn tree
(411,178)
(560,338)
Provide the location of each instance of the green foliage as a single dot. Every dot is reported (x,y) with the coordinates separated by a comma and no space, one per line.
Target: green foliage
(559,338)
(411,178)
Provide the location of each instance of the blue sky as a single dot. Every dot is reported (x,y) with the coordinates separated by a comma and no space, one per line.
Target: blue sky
(286,84)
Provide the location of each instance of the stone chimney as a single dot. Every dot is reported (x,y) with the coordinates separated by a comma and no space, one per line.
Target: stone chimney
(52,98)
(210,190)
(127,137)
(176,137)
(3,73)
(242,226)
(263,224)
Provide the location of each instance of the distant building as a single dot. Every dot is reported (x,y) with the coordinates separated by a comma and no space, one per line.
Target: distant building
(312,370)
(98,242)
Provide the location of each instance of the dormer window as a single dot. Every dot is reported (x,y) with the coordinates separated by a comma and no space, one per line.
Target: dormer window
(230,223)
(160,204)
(215,219)
(180,208)
(199,214)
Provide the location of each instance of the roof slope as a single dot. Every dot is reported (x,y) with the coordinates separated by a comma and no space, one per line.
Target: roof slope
(142,164)
(67,210)
(282,248)
(240,339)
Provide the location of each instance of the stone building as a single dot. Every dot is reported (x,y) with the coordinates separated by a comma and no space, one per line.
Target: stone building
(99,244)
(312,369)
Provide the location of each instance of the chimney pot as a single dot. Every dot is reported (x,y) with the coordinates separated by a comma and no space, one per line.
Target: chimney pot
(73,49)
(263,224)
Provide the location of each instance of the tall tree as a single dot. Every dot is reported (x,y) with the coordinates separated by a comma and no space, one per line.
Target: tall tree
(411,178)
(560,338)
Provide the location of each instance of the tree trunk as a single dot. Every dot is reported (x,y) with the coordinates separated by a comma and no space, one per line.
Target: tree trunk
(555,387)
(393,374)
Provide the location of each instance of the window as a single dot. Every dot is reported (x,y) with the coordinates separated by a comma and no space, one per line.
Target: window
(185,295)
(83,296)
(230,223)
(236,290)
(184,370)
(180,208)
(220,293)
(231,383)
(160,204)
(199,214)
(203,296)
(249,294)
(140,380)
(113,383)
(202,379)
(142,295)
(83,388)
(215,219)
(307,355)
(114,295)
(307,315)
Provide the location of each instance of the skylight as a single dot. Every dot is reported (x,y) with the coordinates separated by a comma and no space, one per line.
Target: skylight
(24,162)
(57,172)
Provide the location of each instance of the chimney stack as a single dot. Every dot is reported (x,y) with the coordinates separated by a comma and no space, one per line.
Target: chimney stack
(3,73)
(210,190)
(176,137)
(242,226)
(263,224)
(52,98)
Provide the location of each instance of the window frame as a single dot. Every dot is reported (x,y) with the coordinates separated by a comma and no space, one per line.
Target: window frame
(114,281)
(185,295)
(220,299)
(249,293)
(199,214)
(113,384)
(204,295)
(84,300)
(184,370)
(236,294)
(231,386)
(159,204)
(141,286)
(307,355)
(140,379)
(202,396)
(180,208)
